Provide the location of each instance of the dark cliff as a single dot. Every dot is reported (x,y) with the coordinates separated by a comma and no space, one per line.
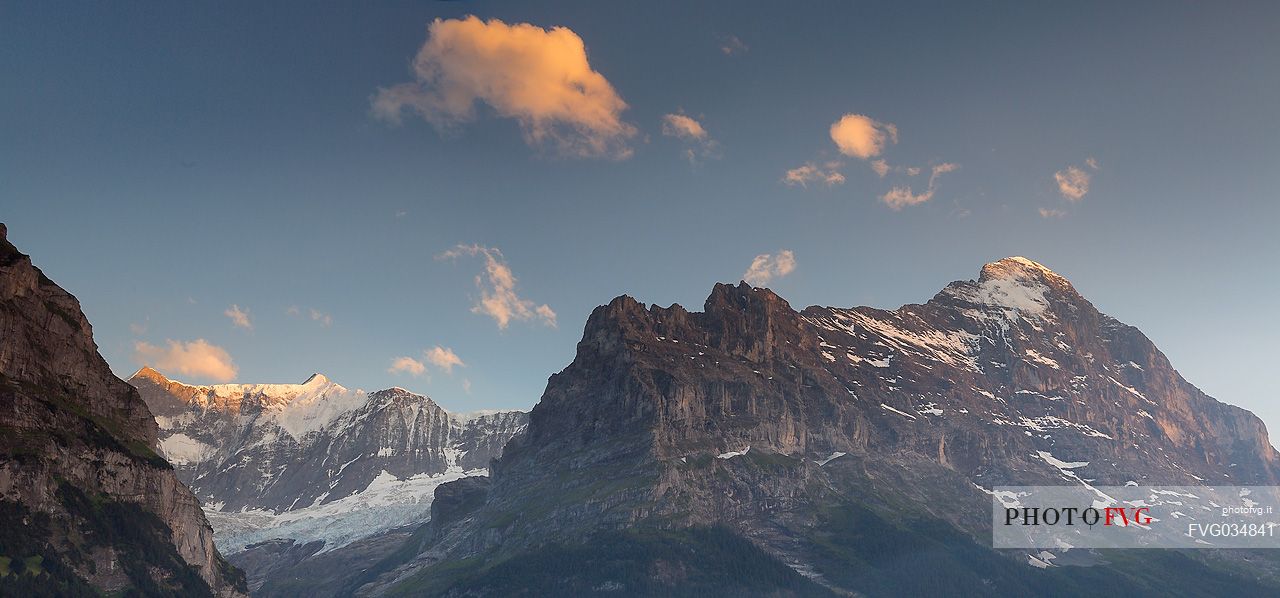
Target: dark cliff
(83,495)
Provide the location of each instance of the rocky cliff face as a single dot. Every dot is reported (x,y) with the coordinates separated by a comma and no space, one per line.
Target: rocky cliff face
(803,430)
(80,485)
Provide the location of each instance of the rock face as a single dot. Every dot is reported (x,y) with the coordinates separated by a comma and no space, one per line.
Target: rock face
(290,473)
(80,485)
(842,442)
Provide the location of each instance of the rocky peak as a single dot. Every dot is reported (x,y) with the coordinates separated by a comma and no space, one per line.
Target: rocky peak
(150,375)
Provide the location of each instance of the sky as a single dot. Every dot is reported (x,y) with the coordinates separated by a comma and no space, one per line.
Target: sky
(435,195)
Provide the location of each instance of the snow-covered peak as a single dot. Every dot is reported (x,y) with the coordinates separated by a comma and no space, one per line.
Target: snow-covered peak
(1016,286)
(1019,268)
(316,379)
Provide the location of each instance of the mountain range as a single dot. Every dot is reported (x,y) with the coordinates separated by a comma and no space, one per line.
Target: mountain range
(747,449)
(287,471)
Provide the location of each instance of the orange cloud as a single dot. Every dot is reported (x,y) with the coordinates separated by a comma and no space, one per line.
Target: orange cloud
(498,297)
(444,358)
(407,365)
(198,358)
(688,129)
(539,77)
(902,196)
(1073,183)
(679,125)
(861,136)
(812,173)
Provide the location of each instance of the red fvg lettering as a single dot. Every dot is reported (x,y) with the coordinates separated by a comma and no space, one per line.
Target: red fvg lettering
(1141,515)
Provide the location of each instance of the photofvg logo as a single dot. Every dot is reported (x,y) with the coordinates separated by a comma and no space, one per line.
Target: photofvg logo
(1135,516)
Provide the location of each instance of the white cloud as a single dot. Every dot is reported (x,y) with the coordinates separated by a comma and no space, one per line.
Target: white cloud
(315,315)
(239,317)
(444,358)
(1073,183)
(466,386)
(861,136)
(539,77)
(902,196)
(730,45)
(689,130)
(407,365)
(198,358)
(498,297)
(1052,213)
(766,267)
(324,319)
(827,174)
(881,167)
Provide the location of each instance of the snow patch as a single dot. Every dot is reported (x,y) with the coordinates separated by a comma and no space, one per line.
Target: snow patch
(181,449)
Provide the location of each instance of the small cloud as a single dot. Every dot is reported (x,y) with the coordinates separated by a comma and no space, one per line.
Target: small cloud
(324,319)
(538,77)
(239,317)
(691,131)
(315,315)
(902,196)
(730,45)
(861,136)
(444,358)
(466,386)
(766,267)
(1091,162)
(498,297)
(545,313)
(407,365)
(942,169)
(1051,213)
(682,126)
(139,329)
(401,214)
(813,173)
(881,167)
(1073,183)
(198,359)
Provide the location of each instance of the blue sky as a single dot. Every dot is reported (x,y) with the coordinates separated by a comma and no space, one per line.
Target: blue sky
(166,163)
